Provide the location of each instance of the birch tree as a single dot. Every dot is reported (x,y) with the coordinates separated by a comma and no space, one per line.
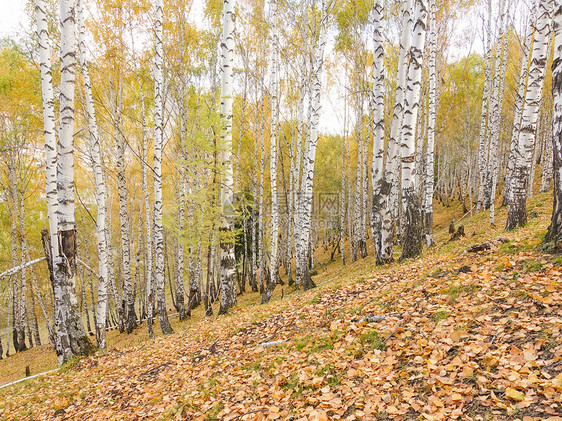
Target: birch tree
(274,272)
(227,257)
(554,233)
(412,204)
(429,166)
(75,340)
(377,98)
(305,203)
(95,155)
(158,147)
(391,165)
(517,201)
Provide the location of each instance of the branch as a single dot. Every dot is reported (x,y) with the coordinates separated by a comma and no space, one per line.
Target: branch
(16,269)
(87,267)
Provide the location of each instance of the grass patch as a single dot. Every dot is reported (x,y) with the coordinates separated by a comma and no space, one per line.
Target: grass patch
(330,374)
(372,340)
(528,266)
(440,315)
(316,299)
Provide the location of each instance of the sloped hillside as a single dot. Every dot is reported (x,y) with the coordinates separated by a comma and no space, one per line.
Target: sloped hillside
(452,335)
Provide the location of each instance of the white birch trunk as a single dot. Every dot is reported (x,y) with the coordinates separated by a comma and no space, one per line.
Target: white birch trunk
(391,166)
(414,225)
(517,206)
(227,257)
(483,146)
(274,272)
(158,147)
(95,155)
(377,98)
(554,234)
(431,119)
(305,213)
(65,263)
(520,95)
(497,95)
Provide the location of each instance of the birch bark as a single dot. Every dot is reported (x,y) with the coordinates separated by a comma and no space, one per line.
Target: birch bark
(377,98)
(517,206)
(414,224)
(554,233)
(95,155)
(227,257)
(391,166)
(158,147)
(429,165)
(76,341)
(274,273)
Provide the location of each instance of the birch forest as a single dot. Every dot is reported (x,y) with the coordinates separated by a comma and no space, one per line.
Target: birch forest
(166,164)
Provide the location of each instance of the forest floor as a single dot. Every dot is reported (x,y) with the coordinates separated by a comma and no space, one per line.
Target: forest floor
(451,335)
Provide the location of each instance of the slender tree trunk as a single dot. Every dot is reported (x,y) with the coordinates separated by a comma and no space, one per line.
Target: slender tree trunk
(305,213)
(483,146)
(497,94)
(554,233)
(158,147)
(180,248)
(377,98)
(519,102)
(432,115)
(95,155)
(274,273)
(228,258)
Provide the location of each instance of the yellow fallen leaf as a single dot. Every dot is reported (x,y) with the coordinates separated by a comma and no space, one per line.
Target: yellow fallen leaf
(514,394)
(467,372)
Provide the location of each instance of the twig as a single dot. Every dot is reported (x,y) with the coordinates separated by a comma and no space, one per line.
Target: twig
(272,344)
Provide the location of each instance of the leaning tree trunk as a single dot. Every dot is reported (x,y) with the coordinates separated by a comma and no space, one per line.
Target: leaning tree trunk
(517,206)
(274,272)
(228,259)
(95,155)
(414,224)
(554,233)
(158,146)
(76,342)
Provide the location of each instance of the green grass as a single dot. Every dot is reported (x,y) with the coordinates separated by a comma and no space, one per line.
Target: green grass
(372,340)
(440,315)
(528,266)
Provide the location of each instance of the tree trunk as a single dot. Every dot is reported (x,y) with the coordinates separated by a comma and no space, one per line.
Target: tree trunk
(228,258)
(432,115)
(305,213)
(554,233)
(158,147)
(414,224)
(391,166)
(517,207)
(483,146)
(274,273)
(377,107)
(95,155)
